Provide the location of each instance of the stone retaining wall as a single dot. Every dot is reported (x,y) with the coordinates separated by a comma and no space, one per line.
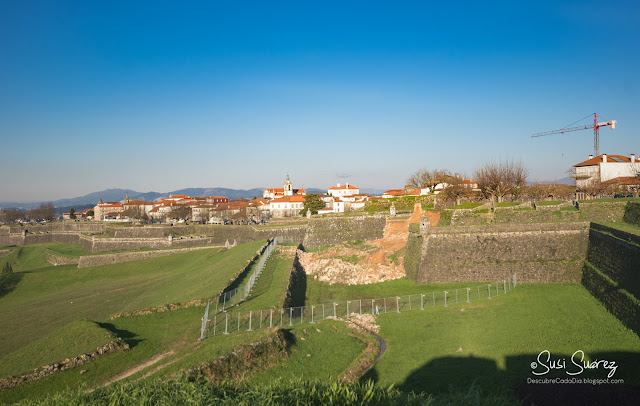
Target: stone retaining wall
(538,253)
(56,260)
(46,370)
(108,259)
(330,231)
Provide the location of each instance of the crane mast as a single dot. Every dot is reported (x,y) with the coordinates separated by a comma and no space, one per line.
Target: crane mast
(596,131)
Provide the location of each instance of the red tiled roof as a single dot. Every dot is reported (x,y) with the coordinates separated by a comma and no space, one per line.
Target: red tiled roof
(623,180)
(292,199)
(110,204)
(137,203)
(394,192)
(598,159)
(343,187)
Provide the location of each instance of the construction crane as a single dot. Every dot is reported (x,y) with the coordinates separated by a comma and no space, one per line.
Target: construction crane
(596,131)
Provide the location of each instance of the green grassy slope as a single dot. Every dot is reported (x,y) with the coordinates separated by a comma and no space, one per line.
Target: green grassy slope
(499,339)
(75,338)
(46,300)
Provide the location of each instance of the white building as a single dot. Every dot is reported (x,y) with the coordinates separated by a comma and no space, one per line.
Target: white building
(603,168)
(288,206)
(344,190)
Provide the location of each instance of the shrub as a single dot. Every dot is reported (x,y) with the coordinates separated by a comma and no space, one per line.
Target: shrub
(632,213)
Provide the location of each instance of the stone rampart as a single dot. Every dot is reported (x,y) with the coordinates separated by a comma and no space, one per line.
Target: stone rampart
(616,254)
(218,233)
(330,231)
(108,259)
(538,253)
(602,211)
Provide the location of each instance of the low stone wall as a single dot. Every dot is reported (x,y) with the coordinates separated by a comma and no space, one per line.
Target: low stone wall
(330,231)
(217,233)
(78,360)
(108,259)
(538,253)
(56,260)
(4,253)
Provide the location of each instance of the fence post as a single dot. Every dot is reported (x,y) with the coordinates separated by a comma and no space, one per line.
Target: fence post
(260,319)
(335,315)
(398,304)
(348,301)
(226,324)
(205,319)
(445,298)
(301,314)
(312,314)
(323,311)
(409,302)
(497,291)
(434,298)
(421,301)
(224,300)
(468,289)
(271,319)
(373,312)
(505,285)
(489,290)
(250,314)
(290,316)
(385,304)
(215,322)
(360,306)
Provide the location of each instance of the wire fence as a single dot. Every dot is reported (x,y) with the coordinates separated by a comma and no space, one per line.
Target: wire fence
(232,322)
(239,294)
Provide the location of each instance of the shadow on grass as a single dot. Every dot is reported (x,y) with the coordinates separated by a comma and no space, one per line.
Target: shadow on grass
(8,282)
(126,335)
(585,387)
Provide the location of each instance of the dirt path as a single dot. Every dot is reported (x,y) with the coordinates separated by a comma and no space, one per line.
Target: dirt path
(139,367)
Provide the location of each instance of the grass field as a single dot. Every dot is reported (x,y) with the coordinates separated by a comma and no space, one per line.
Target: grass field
(270,288)
(467,206)
(493,342)
(75,338)
(508,204)
(47,298)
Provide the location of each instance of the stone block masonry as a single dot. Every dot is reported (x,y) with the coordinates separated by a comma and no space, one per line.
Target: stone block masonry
(107,259)
(331,230)
(538,253)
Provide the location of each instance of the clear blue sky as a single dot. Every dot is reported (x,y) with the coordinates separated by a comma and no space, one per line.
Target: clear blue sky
(162,95)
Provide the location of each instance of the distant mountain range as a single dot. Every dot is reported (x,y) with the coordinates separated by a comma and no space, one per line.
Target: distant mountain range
(115,195)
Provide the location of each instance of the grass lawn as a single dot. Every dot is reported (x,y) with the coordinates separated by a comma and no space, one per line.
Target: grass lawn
(270,288)
(47,298)
(322,351)
(321,292)
(508,204)
(629,228)
(467,206)
(621,199)
(494,342)
(549,202)
(75,338)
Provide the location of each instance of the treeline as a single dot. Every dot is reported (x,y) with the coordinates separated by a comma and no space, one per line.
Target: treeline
(44,211)
(505,180)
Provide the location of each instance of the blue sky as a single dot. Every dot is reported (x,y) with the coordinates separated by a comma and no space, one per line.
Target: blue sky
(161,96)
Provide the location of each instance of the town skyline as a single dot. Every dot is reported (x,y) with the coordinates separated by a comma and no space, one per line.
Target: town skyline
(154,97)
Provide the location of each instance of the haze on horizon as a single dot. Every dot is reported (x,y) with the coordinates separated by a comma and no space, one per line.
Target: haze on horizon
(155,96)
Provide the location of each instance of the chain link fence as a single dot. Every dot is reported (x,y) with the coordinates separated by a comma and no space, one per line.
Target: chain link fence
(239,294)
(227,322)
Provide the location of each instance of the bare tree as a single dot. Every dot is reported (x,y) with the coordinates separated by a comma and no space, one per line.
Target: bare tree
(425,178)
(44,211)
(180,213)
(455,188)
(496,180)
(12,215)
(136,213)
(596,188)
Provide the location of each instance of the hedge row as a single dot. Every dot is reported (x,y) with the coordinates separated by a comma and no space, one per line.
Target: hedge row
(618,301)
(632,213)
